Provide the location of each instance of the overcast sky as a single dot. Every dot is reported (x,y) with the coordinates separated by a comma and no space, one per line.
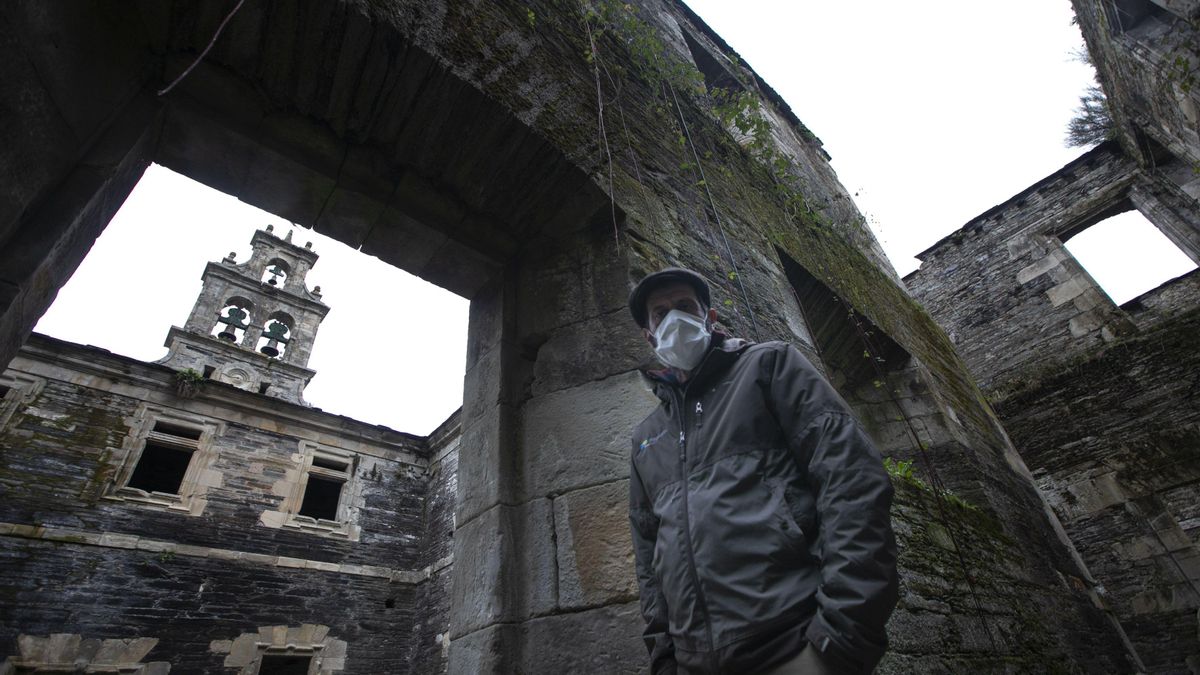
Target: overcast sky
(933,112)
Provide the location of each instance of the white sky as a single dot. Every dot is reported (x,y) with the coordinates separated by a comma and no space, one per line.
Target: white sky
(933,112)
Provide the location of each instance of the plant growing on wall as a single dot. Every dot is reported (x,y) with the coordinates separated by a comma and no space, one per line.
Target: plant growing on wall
(187,382)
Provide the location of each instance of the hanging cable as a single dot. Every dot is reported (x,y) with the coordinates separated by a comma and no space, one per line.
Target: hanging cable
(939,487)
(716,215)
(213,41)
(603,133)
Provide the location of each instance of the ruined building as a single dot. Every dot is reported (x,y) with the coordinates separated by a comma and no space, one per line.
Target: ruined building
(537,158)
(195,515)
(1102,401)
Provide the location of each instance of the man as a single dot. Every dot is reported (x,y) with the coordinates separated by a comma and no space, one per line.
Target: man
(759,508)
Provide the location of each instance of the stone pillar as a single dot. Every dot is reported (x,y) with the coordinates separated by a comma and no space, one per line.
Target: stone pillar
(543,565)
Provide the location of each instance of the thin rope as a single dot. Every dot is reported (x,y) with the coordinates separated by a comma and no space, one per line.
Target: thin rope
(716,215)
(213,41)
(939,487)
(603,131)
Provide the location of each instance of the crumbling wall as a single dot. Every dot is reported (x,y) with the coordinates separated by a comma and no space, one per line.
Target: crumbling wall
(1114,442)
(1096,398)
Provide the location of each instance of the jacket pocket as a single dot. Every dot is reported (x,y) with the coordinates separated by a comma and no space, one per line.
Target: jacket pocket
(791,530)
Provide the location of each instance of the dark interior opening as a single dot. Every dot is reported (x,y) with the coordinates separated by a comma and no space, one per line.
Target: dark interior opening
(160,469)
(321,497)
(176,430)
(328,463)
(4,391)
(278,664)
(716,75)
(1130,14)
(208,372)
(849,343)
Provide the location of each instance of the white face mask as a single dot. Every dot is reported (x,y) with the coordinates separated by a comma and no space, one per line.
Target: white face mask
(682,340)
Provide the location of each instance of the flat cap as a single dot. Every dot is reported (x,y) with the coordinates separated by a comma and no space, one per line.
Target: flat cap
(670,275)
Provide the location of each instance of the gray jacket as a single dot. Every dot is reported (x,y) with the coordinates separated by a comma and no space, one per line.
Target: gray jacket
(760,520)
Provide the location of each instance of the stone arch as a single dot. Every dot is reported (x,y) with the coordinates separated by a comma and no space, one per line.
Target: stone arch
(277,331)
(233,319)
(276,272)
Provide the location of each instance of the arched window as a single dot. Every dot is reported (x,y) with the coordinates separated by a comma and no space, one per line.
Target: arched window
(276,273)
(233,320)
(277,332)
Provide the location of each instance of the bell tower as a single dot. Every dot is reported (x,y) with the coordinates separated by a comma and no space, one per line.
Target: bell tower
(254,323)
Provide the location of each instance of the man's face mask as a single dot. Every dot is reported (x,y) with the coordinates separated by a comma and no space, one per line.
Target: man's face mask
(682,340)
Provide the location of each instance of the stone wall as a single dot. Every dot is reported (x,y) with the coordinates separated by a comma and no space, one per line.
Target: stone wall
(83,561)
(1114,442)
(1098,399)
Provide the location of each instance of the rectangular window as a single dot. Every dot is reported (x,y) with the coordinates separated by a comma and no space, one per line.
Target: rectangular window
(166,457)
(324,497)
(321,497)
(326,476)
(16,390)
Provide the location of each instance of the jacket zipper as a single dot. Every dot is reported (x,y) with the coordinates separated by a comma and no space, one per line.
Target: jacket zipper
(687,522)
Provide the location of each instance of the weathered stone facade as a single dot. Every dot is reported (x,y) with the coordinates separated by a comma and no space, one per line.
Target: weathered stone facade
(326,538)
(1101,400)
(462,142)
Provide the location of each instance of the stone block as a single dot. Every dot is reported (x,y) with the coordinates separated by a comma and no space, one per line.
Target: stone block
(486,473)
(919,632)
(604,640)
(1067,290)
(504,567)
(286,186)
(593,447)
(489,650)
(486,321)
(589,350)
(391,235)
(459,268)
(1040,266)
(205,150)
(483,386)
(595,551)
(1085,323)
(563,286)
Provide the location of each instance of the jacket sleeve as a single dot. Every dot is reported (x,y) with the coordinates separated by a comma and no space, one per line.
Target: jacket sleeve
(853,497)
(644,528)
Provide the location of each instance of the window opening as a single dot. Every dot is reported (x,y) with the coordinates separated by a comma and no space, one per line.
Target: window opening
(233,321)
(325,497)
(1127,256)
(276,273)
(4,391)
(853,348)
(276,335)
(105,280)
(279,664)
(208,372)
(263,387)
(1140,14)
(321,498)
(165,458)
(716,75)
